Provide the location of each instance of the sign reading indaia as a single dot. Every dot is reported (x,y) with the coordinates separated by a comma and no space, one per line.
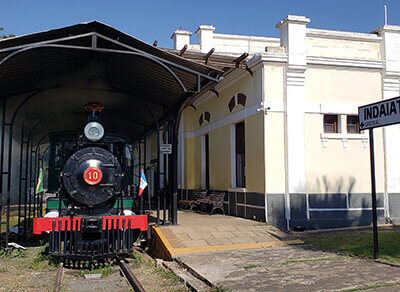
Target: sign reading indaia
(379,114)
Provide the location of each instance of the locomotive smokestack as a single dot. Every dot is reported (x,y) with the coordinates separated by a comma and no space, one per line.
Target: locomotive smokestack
(94,131)
(94,109)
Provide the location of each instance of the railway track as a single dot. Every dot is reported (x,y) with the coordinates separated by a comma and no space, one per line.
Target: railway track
(125,271)
(57,285)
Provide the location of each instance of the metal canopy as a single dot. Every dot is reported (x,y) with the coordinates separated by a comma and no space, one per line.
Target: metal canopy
(134,80)
(46,79)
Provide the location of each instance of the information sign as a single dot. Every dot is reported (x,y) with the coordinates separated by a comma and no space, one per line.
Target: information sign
(166,148)
(379,114)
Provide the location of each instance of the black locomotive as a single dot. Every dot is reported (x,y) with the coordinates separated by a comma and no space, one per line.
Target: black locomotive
(91,217)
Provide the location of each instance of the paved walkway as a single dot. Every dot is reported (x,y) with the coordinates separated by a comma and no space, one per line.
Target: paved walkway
(204,233)
(291,268)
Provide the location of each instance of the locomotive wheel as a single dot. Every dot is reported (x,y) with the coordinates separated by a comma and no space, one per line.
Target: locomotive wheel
(91,176)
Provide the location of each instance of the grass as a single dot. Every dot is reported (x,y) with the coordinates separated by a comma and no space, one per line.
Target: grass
(43,261)
(360,244)
(312,260)
(251,267)
(104,271)
(372,287)
(169,277)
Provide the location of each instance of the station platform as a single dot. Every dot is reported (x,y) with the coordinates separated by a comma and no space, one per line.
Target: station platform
(197,233)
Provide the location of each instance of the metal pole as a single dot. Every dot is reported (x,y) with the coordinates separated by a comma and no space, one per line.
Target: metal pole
(35,197)
(30,185)
(170,170)
(21,154)
(41,198)
(164,169)
(3,129)
(144,169)
(175,173)
(141,197)
(373,191)
(26,184)
(157,178)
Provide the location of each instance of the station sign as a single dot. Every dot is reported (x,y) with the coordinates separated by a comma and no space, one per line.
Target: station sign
(166,148)
(379,114)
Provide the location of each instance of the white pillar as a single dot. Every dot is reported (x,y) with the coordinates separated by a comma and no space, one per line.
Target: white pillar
(293,37)
(205,34)
(390,50)
(181,38)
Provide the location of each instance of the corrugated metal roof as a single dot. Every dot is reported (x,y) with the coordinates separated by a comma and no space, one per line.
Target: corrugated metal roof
(111,72)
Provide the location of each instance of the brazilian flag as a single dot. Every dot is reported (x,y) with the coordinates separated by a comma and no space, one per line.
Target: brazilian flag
(39,187)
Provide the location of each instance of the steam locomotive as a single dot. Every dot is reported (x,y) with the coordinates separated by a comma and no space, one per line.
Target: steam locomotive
(91,217)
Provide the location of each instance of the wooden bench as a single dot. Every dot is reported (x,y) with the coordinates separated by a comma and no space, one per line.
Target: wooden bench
(213,200)
(196,197)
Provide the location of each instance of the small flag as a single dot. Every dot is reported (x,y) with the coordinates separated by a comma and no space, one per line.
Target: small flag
(39,187)
(143,182)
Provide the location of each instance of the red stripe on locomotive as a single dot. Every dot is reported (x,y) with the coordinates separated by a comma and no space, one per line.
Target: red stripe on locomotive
(46,224)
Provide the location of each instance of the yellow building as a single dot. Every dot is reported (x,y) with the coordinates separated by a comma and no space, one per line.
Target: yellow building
(280,137)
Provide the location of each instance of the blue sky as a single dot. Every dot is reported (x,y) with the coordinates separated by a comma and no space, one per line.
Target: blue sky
(151,20)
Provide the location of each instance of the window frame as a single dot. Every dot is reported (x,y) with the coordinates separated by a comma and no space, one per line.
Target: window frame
(335,125)
(356,125)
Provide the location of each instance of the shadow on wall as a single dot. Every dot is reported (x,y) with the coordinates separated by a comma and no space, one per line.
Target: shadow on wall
(324,185)
(337,206)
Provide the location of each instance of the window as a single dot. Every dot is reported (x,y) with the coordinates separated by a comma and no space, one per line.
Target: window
(238,98)
(207,162)
(205,116)
(240,155)
(330,124)
(352,125)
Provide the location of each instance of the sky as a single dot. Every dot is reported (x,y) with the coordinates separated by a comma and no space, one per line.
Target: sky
(151,20)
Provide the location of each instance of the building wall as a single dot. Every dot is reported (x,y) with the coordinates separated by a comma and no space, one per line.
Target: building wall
(344,48)
(311,179)
(340,164)
(220,158)
(274,129)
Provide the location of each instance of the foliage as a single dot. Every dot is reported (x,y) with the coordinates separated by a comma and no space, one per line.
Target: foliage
(363,288)
(19,253)
(5,36)
(360,244)
(251,267)
(44,261)
(168,276)
(105,271)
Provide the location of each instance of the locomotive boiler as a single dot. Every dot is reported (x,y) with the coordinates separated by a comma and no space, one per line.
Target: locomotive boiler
(92,217)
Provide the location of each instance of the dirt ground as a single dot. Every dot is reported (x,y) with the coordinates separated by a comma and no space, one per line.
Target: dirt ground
(31,270)
(26,271)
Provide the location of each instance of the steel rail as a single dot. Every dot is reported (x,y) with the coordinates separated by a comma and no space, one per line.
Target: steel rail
(133,281)
(57,285)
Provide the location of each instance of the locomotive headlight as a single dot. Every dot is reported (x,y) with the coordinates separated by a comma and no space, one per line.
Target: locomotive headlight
(94,131)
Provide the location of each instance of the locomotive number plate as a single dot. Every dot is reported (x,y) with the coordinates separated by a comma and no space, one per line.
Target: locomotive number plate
(92,175)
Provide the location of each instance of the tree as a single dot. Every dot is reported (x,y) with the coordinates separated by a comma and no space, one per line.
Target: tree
(5,36)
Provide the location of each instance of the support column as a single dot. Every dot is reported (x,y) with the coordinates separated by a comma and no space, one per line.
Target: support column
(390,51)
(293,38)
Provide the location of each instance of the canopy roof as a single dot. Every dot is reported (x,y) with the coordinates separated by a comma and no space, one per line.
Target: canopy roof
(49,77)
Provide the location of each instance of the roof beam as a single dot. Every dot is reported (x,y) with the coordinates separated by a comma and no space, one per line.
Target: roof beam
(183,50)
(209,55)
(240,59)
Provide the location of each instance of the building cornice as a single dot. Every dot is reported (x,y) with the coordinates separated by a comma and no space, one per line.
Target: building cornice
(342,35)
(387,28)
(296,19)
(247,38)
(341,62)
